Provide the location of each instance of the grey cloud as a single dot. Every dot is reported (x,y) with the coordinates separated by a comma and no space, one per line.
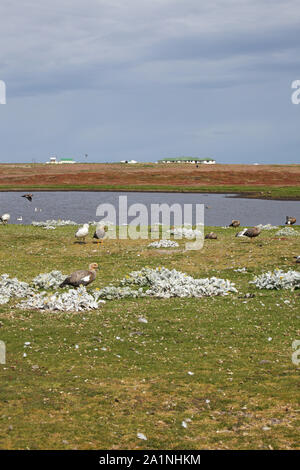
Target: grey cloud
(140,79)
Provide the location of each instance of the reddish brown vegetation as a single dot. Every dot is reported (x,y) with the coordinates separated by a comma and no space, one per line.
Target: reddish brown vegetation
(155,175)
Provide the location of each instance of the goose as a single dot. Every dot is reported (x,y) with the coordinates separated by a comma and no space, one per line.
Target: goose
(211,236)
(28,196)
(81,277)
(5,218)
(82,232)
(100,233)
(297,259)
(235,223)
(290,220)
(252,232)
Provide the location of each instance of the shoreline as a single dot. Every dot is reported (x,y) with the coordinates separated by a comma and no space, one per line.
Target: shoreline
(239,194)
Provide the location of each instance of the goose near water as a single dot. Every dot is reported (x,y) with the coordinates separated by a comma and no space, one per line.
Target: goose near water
(235,223)
(81,277)
(211,236)
(290,220)
(5,218)
(82,232)
(252,232)
(28,196)
(100,233)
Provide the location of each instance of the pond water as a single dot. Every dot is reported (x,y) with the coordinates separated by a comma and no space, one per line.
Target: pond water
(81,207)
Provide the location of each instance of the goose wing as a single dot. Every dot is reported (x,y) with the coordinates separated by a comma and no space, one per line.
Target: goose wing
(79,277)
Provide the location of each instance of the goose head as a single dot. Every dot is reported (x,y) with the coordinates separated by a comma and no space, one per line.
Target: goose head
(93,267)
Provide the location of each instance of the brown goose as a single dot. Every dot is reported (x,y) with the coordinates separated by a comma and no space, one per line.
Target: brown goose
(211,236)
(235,223)
(290,220)
(252,232)
(28,196)
(81,277)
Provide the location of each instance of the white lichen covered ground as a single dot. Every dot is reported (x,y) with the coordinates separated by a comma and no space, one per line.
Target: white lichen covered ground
(163,244)
(277,279)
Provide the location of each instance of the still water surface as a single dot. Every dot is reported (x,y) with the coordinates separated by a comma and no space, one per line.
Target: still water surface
(81,207)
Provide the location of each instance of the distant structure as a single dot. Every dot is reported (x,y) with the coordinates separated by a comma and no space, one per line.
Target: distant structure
(128,161)
(54,161)
(67,160)
(206,161)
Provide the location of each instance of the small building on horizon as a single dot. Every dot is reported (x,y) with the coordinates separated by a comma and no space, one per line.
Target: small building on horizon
(66,160)
(206,161)
(53,161)
(128,161)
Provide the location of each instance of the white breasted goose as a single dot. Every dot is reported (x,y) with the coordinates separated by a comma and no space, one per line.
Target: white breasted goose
(235,223)
(290,220)
(82,232)
(5,218)
(81,277)
(100,233)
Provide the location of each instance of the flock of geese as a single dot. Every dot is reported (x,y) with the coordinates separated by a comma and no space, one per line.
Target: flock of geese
(85,277)
(249,232)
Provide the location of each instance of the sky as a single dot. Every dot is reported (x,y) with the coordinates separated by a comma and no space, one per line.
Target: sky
(144,80)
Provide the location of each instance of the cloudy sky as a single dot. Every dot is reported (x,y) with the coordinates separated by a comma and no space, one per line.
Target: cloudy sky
(146,79)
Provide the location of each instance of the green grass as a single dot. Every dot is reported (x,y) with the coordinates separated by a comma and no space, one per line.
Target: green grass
(87,398)
(262,192)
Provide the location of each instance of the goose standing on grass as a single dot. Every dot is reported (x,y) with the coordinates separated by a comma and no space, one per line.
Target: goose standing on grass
(100,233)
(82,232)
(252,232)
(290,220)
(235,223)
(5,218)
(211,236)
(82,277)
(28,196)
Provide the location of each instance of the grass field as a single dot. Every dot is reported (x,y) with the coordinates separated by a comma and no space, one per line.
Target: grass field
(244,391)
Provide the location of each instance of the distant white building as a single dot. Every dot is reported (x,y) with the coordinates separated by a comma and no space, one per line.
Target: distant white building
(128,161)
(52,160)
(206,161)
(66,160)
